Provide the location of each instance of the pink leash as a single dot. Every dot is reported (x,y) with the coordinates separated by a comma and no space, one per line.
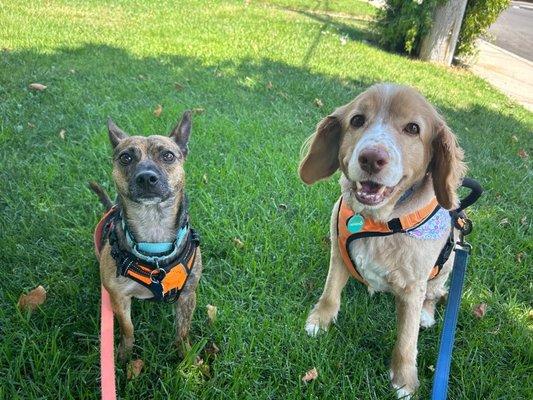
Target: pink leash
(107,356)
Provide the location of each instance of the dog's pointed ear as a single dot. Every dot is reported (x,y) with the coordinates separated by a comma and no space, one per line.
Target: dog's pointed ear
(116,135)
(182,132)
(322,151)
(447,167)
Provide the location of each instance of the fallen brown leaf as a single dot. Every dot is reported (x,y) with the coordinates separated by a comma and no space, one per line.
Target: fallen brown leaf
(519,256)
(204,178)
(211,348)
(30,125)
(198,110)
(134,368)
(62,134)
(522,154)
(479,310)
(318,103)
(211,313)
(32,300)
(310,375)
(505,222)
(514,138)
(158,110)
(238,243)
(178,86)
(37,86)
(269,85)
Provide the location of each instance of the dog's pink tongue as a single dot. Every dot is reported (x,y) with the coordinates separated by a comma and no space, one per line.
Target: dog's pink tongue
(370,187)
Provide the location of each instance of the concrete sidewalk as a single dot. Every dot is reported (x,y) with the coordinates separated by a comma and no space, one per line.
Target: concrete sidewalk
(511,74)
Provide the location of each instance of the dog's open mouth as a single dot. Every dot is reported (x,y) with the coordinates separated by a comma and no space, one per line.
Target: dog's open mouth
(371,193)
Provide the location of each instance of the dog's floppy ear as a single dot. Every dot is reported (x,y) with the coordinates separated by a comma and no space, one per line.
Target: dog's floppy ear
(322,158)
(447,167)
(116,135)
(182,132)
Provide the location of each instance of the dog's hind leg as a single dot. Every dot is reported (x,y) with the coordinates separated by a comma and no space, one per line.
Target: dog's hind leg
(122,309)
(184,311)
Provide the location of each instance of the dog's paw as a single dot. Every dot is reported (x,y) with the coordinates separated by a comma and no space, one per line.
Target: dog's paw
(402,393)
(405,383)
(320,318)
(312,329)
(426,319)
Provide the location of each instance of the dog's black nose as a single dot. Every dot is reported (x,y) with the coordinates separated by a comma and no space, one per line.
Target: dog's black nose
(147,179)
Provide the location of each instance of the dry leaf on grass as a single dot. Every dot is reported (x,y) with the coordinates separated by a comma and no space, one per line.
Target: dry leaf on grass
(211,313)
(62,134)
(505,222)
(522,154)
(310,375)
(204,178)
(30,125)
(33,299)
(178,86)
(211,348)
(238,243)
(134,368)
(269,85)
(37,86)
(514,138)
(519,257)
(318,103)
(198,110)
(158,110)
(480,310)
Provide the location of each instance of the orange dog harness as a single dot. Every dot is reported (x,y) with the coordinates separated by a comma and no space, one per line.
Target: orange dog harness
(163,274)
(352,226)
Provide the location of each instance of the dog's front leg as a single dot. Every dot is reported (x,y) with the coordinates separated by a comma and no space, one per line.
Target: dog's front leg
(325,310)
(122,309)
(184,310)
(403,366)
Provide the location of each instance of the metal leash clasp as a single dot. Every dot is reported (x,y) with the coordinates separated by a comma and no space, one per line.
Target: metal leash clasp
(465,230)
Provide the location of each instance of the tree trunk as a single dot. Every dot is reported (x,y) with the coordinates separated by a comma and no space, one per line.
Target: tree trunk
(439,44)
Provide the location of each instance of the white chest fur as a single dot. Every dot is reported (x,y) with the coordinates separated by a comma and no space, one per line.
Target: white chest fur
(374,273)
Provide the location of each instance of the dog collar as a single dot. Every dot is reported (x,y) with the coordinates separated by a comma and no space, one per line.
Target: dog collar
(157,252)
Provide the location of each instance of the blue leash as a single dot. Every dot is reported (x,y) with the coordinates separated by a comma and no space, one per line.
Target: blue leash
(442,371)
(447,337)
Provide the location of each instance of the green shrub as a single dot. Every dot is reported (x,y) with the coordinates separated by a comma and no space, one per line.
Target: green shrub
(479,16)
(402,23)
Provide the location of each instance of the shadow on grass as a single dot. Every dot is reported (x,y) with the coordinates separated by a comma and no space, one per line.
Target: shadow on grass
(246,142)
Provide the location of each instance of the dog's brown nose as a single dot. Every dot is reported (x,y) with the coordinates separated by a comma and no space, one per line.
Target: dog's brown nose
(146,179)
(373,160)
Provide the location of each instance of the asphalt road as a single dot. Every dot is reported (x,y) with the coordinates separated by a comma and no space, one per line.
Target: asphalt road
(513,30)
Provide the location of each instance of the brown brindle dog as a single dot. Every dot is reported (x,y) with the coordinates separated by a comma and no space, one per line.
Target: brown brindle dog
(151,213)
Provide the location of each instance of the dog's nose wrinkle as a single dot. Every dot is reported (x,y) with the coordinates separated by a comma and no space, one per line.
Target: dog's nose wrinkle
(147,179)
(373,160)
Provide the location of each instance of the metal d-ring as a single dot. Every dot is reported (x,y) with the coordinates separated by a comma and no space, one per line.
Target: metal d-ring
(155,272)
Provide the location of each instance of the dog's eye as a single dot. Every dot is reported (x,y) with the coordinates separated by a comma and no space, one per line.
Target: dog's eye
(168,156)
(358,120)
(125,159)
(412,129)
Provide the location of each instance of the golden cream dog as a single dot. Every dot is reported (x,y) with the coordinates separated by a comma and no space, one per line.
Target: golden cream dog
(396,154)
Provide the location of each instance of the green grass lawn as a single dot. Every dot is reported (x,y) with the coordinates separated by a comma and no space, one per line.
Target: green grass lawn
(256,70)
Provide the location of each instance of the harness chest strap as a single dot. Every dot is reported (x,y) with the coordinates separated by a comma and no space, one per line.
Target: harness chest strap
(371,228)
